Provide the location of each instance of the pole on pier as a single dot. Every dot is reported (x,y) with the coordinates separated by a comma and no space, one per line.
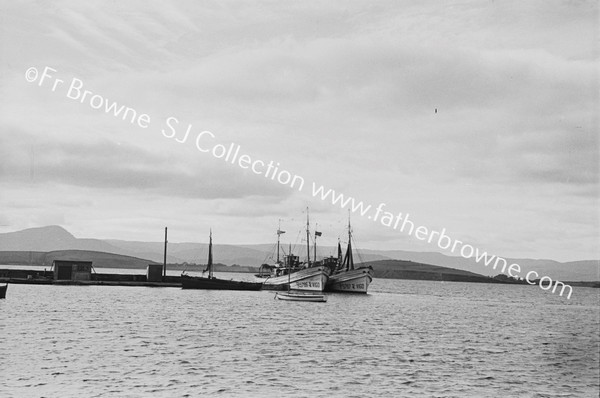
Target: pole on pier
(165,257)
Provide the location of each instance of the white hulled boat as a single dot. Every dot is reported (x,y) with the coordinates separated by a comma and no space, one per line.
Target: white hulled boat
(293,275)
(295,296)
(300,277)
(346,278)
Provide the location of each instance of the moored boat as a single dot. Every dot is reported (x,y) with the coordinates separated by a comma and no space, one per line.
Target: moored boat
(308,279)
(298,295)
(292,296)
(351,281)
(293,275)
(213,283)
(191,282)
(346,278)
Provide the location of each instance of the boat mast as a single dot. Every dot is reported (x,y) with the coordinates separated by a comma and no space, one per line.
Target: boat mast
(289,271)
(307,240)
(279,232)
(349,253)
(315,247)
(348,260)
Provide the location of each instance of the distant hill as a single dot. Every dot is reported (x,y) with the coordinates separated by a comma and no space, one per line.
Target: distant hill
(99,259)
(587,270)
(398,269)
(52,238)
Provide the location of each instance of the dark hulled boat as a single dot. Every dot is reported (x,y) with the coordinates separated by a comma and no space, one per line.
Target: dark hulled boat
(212,283)
(192,282)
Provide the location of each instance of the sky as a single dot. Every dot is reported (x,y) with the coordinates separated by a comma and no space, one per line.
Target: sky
(476,117)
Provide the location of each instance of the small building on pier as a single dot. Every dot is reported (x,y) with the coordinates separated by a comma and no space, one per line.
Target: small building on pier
(154,273)
(67,270)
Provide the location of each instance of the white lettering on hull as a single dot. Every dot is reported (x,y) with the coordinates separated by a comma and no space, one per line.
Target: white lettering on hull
(309,285)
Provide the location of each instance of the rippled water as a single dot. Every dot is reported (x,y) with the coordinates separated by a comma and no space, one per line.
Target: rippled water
(406,338)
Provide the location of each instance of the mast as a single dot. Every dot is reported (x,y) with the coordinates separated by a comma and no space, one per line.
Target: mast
(317,233)
(210,257)
(289,271)
(307,240)
(315,247)
(348,260)
(279,232)
(165,255)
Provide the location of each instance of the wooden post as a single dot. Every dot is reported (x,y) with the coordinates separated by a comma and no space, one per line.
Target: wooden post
(165,257)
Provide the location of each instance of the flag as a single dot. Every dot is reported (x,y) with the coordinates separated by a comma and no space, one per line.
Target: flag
(317,233)
(279,232)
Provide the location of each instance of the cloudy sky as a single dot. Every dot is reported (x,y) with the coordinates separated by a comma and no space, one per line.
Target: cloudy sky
(342,94)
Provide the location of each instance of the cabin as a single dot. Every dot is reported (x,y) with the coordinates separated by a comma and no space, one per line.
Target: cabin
(154,272)
(67,270)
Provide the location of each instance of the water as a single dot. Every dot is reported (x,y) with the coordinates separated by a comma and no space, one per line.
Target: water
(406,338)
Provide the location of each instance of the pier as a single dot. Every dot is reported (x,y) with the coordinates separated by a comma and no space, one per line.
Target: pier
(34,277)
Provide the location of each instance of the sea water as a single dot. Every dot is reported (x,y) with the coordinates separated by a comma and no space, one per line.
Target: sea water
(403,339)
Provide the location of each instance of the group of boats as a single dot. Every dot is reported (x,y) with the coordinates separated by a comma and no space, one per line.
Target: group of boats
(295,280)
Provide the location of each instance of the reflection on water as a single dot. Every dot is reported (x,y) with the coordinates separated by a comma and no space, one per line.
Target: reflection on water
(406,338)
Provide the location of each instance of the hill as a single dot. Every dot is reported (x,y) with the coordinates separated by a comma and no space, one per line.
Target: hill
(398,269)
(45,259)
(50,238)
(587,270)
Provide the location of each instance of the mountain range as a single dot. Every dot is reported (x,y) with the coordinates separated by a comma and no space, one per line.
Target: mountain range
(53,238)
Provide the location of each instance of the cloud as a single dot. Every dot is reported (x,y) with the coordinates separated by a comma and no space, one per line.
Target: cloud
(105,164)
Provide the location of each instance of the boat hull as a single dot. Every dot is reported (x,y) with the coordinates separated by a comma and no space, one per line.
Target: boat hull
(189,282)
(315,298)
(351,281)
(308,279)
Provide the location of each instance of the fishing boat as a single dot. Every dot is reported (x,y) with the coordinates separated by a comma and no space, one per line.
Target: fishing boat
(346,278)
(294,275)
(297,277)
(3,291)
(300,296)
(213,283)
